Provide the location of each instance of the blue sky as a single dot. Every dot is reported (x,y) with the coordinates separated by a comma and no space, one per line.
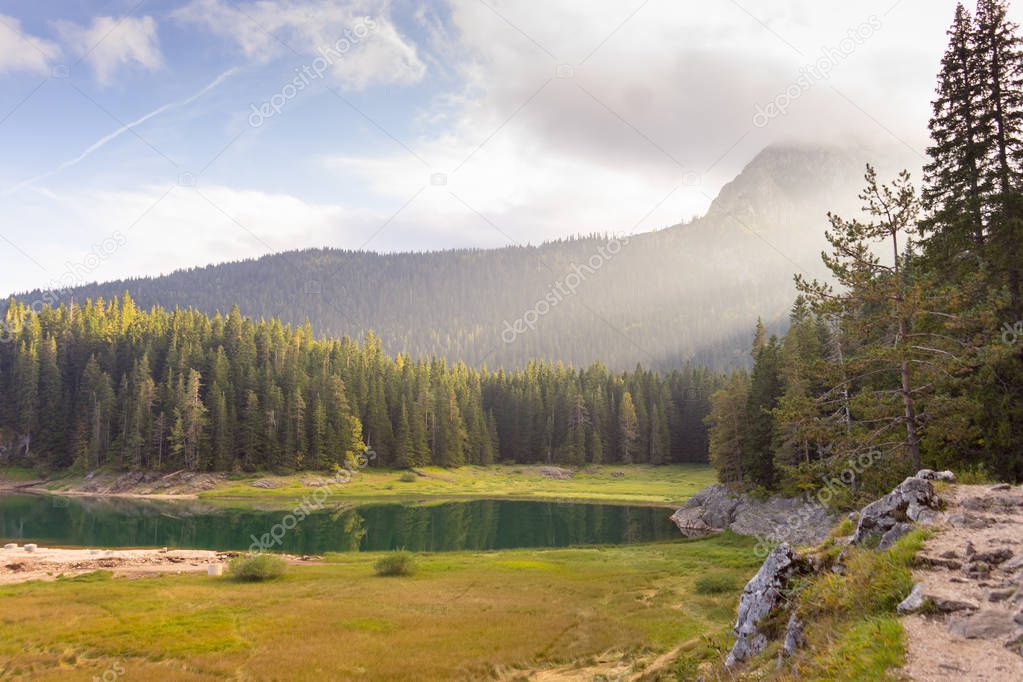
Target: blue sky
(432,125)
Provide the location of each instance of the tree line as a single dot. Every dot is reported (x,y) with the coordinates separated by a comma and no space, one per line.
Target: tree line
(913,355)
(108,384)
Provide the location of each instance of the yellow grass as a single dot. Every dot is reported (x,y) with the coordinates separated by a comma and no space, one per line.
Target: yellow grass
(462,615)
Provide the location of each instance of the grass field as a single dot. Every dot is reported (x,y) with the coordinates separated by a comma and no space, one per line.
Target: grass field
(643,485)
(17,474)
(461,616)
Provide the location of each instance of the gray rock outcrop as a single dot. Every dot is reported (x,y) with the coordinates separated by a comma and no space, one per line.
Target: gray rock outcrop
(763,596)
(778,519)
(912,500)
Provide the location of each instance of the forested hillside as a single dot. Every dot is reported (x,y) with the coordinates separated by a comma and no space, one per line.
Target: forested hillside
(105,383)
(685,293)
(915,358)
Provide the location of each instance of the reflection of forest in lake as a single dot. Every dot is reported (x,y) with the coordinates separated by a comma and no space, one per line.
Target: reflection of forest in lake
(472,525)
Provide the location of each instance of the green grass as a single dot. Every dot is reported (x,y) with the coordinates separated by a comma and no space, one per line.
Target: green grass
(717,583)
(644,485)
(852,629)
(18,474)
(463,615)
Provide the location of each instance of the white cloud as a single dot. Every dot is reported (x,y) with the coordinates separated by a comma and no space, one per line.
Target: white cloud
(111,44)
(375,51)
(165,231)
(662,96)
(20,51)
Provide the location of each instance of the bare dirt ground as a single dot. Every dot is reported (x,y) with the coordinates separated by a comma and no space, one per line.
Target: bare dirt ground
(971,574)
(19,565)
(153,485)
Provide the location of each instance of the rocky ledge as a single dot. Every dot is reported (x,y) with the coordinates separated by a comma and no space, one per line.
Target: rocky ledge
(879,524)
(778,519)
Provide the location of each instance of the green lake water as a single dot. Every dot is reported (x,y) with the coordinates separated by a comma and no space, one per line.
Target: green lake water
(449,526)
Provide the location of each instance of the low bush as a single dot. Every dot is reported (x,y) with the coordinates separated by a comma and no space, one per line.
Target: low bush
(408,477)
(257,567)
(397,563)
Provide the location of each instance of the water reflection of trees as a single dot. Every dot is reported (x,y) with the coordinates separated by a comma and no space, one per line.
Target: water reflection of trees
(474,525)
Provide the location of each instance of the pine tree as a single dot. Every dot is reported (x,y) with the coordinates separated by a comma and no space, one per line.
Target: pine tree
(727,424)
(1001,55)
(764,392)
(953,187)
(628,430)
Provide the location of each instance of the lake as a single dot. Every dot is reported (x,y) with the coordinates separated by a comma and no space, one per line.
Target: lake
(421,527)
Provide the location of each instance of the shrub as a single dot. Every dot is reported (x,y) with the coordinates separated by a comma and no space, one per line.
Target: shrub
(257,567)
(397,563)
(408,477)
(716,583)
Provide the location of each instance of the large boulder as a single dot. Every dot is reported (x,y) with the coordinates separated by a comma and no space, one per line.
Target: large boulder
(762,597)
(778,519)
(912,500)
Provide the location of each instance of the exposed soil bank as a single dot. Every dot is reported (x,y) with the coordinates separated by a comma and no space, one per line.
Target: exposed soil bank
(18,565)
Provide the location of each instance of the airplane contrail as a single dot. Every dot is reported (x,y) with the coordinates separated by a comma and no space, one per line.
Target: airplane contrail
(103,141)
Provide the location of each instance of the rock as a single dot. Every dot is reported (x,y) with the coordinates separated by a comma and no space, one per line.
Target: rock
(978,570)
(975,504)
(266,485)
(761,597)
(994,557)
(968,521)
(904,503)
(914,602)
(31,547)
(950,554)
(617,474)
(928,475)
(999,488)
(920,599)
(893,535)
(795,639)
(11,545)
(946,605)
(556,473)
(982,625)
(777,519)
(1014,564)
(1001,595)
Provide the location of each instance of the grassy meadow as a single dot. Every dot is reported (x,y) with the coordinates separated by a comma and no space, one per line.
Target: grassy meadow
(460,616)
(636,484)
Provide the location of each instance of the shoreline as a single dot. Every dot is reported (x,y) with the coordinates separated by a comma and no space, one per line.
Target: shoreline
(665,487)
(19,565)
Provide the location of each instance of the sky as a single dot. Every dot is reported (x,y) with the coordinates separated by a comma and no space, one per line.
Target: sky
(141,137)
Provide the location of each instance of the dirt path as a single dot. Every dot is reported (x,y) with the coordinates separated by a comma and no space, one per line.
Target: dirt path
(971,574)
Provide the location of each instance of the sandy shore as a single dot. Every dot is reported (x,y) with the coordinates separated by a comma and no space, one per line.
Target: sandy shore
(17,564)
